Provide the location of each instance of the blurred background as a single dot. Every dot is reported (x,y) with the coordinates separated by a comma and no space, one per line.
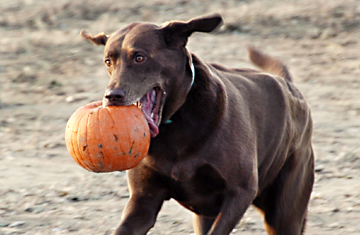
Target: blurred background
(47,71)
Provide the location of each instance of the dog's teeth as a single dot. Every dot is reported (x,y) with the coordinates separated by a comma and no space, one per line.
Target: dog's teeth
(153,96)
(152,115)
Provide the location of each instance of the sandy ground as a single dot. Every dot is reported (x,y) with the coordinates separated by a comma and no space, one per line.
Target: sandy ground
(47,72)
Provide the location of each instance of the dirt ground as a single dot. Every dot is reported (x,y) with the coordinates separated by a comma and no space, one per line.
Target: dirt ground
(47,71)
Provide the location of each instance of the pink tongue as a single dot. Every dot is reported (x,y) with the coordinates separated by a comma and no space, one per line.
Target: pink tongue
(154,130)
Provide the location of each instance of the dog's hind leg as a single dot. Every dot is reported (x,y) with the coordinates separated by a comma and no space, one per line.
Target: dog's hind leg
(284,203)
(202,224)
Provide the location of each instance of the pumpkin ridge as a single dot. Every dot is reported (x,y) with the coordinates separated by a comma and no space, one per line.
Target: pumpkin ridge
(105,116)
(92,140)
(83,147)
(129,120)
(139,144)
(125,144)
(118,142)
(75,139)
(99,163)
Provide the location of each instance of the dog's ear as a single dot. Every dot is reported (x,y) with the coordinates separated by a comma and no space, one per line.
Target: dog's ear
(176,32)
(99,39)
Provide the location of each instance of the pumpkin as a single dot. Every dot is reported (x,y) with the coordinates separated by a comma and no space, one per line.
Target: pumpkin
(105,139)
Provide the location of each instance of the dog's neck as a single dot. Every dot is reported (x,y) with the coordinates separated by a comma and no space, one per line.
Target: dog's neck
(192,67)
(200,115)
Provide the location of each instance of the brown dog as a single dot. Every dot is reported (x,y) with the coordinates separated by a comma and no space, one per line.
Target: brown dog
(222,139)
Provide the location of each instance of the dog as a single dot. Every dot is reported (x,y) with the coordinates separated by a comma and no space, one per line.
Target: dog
(222,139)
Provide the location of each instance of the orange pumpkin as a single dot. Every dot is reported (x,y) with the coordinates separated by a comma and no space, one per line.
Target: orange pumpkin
(104,139)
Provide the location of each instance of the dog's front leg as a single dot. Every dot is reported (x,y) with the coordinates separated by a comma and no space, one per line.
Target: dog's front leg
(139,215)
(233,208)
(146,199)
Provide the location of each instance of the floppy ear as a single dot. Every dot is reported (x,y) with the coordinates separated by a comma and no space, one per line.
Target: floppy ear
(99,39)
(177,32)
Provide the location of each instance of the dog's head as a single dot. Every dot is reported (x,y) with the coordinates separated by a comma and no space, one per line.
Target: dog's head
(150,66)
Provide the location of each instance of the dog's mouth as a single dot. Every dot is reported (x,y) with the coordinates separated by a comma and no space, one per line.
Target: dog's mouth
(151,105)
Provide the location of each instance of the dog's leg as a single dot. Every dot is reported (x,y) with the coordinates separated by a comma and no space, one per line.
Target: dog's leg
(285,202)
(202,224)
(139,216)
(233,208)
(146,199)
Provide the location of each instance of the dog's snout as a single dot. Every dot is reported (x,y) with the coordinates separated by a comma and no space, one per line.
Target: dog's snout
(115,97)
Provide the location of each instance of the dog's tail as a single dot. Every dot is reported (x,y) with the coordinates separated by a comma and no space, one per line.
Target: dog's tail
(268,64)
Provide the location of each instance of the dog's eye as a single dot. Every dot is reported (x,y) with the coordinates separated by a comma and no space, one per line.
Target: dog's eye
(108,62)
(139,58)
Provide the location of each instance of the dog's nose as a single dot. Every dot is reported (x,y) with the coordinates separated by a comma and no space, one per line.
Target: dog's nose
(115,97)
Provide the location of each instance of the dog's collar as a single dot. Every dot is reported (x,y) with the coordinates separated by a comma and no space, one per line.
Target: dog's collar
(192,67)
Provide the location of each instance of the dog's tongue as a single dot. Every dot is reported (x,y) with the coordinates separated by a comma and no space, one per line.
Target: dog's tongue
(154,130)
(148,103)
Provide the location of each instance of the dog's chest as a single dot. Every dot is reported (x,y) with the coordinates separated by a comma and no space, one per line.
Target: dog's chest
(199,189)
